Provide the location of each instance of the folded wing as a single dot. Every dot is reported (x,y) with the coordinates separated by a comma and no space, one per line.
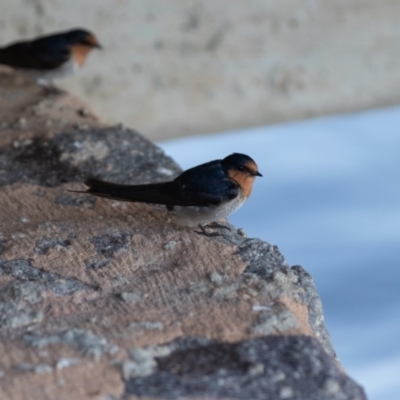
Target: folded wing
(174,193)
(42,53)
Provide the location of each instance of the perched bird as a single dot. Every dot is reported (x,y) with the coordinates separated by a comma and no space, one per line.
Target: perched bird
(200,195)
(50,57)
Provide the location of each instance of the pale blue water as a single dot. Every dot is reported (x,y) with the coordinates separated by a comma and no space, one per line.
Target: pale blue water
(330,199)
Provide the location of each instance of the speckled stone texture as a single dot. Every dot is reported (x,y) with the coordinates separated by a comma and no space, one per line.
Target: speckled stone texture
(108,300)
(267,368)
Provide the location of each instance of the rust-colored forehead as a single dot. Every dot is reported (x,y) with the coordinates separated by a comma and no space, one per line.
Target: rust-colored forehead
(90,38)
(252,166)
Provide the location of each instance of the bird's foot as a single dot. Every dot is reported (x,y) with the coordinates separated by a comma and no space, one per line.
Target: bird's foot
(212,225)
(52,90)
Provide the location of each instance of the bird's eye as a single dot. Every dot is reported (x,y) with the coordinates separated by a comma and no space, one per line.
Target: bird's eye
(241,168)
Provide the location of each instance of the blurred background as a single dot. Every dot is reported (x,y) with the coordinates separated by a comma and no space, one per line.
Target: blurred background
(330,195)
(179,67)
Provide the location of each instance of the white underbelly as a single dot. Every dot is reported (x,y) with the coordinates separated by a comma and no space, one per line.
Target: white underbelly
(194,216)
(68,68)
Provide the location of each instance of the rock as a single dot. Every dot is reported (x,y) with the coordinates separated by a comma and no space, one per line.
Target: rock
(269,367)
(113,300)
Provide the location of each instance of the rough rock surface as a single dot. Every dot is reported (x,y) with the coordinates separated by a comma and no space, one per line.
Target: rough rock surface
(107,300)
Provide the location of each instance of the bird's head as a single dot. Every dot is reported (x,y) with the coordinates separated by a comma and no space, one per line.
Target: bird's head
(242,169)
(82,37)
(81,42)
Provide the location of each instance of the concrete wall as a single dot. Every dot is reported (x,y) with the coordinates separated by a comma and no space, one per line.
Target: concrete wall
(177,67)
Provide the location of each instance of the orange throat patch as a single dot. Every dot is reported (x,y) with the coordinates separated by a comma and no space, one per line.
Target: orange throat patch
(244,180)
(79,53)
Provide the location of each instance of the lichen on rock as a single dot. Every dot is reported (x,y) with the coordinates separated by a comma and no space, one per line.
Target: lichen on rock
(112,298)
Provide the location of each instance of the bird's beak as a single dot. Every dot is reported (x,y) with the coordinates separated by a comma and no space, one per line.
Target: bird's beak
(257,174)
(98,46)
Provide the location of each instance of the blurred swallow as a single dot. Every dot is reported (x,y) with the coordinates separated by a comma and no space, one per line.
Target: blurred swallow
(50,57)
(200,195)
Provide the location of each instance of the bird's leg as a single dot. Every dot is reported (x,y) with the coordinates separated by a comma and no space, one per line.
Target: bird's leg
(50,88)
(204,232)
(212,225)
(216,225)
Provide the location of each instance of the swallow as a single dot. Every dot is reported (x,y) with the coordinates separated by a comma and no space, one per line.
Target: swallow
(200,195)
(50,57)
